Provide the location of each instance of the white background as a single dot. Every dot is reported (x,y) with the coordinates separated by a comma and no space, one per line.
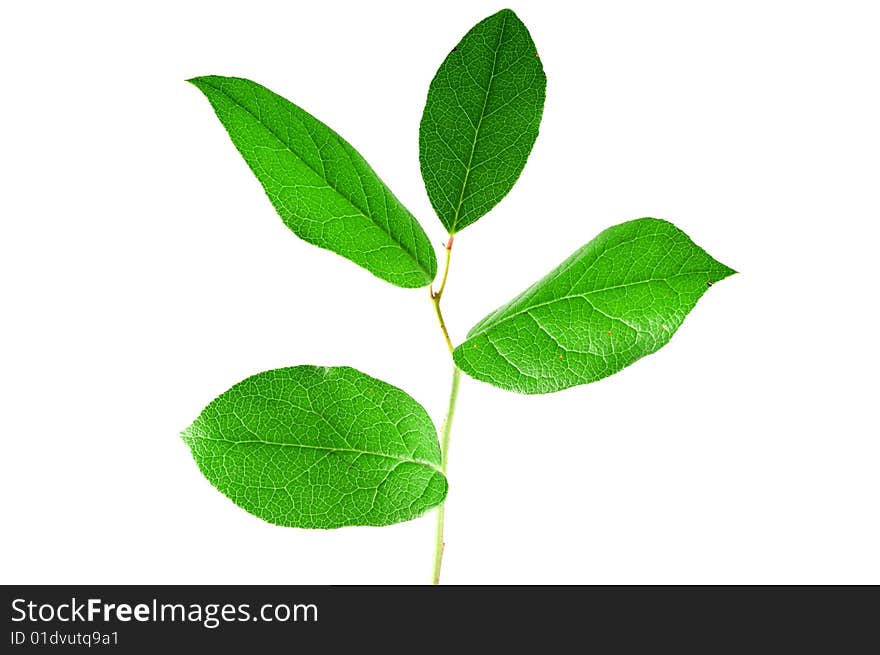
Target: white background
(144,272)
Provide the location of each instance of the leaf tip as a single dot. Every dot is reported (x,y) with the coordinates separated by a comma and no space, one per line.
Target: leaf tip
(203,82)
(724,271)
(186,435)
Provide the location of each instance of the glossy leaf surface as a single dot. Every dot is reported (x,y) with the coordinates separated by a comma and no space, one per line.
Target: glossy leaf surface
(322,188)
(620,297)
(316,447)
(481,119)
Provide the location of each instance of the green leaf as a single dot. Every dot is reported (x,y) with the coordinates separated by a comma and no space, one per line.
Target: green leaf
(620,297)
(320,186)
(315,447)
(481,119)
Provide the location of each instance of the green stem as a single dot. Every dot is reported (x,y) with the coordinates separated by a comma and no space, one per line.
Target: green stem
(445,431)
(436,295)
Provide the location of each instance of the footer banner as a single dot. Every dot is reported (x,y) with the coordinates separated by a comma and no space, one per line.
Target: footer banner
(406,619)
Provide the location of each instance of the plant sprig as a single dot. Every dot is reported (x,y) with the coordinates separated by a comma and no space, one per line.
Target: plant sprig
(318,447)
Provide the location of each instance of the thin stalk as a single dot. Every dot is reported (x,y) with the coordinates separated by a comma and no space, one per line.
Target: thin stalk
(436,295)
(448,249)
(446,430)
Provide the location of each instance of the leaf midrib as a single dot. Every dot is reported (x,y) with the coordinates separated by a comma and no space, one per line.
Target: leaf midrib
(469,166)
(573,296)
(321,175)
(397,458)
